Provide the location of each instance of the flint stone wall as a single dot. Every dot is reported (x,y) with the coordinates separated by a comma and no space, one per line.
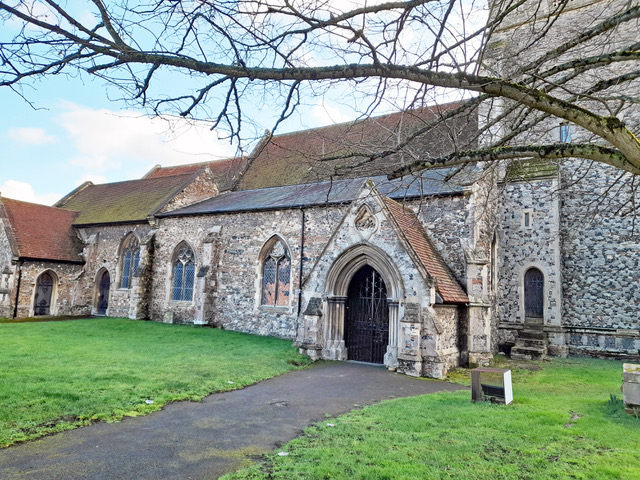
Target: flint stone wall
(227,292)
(600,247)
(102,252)
(66,290)
(521,247)
(232,282)
(8,273)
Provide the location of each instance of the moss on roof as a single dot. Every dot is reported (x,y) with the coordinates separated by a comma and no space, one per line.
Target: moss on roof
(344,150)
(120,202)
(529,169)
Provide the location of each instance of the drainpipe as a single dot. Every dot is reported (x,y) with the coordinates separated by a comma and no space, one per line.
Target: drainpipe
(15,306)
(301,262)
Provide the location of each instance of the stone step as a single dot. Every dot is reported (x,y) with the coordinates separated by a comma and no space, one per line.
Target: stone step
(532,334)
(533,343)
(533,321)
(527,353)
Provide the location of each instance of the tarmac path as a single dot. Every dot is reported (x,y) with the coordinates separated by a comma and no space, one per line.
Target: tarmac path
(204,440)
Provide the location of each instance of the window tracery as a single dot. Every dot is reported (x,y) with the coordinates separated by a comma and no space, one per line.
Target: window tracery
(130,258)
(184,272)
(276,276)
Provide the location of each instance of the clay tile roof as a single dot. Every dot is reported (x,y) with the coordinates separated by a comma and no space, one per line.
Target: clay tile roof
(120,202)
(415,234)
(43,232)
(305,156)
(225,172)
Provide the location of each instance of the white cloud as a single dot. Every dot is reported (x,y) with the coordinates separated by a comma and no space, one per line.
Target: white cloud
(31,135)
(103,140)
(24,191)
(95,179)
(326,114)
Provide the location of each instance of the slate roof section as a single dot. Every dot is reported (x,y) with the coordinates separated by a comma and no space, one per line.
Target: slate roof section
(303,157)
(225,172)
(124,202)
(417,237)
(43,232)
(431,182)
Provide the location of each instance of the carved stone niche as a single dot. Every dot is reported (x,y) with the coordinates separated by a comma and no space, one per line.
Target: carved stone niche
(365,222)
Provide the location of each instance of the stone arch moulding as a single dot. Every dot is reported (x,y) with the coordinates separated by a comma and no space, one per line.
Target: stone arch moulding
(53,294)
(265,253)
(336,288)
(126,239)
(354,258)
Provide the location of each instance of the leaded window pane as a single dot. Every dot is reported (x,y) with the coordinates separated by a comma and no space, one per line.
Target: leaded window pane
(189,276)
(178,269)
(136,261)
(276,276)
(284,276)
(269,282)
(126,269)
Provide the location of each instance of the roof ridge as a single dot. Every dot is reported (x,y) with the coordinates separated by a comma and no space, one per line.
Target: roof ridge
(435,108)
(64,200)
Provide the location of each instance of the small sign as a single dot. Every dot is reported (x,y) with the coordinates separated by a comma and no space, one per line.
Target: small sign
(491,384)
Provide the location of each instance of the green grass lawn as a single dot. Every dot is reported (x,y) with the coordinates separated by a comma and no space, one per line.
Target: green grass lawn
(58,375)
(564,423)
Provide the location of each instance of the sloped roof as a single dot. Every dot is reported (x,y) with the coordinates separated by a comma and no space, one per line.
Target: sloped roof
(305,156)
(225,172)
(430,182)
(417,237)
(43,232)
(121,202)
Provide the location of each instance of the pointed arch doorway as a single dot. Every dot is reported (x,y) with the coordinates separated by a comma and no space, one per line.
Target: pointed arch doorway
(103,293)
(367,317)
(363,288)
(44,293)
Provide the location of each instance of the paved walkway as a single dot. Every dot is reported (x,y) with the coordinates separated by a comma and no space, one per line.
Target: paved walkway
(204,440)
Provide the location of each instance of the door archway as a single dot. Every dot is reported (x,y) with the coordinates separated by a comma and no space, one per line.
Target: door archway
(340,278)
(103,293)
(367,317)
(44,294)
(533,293)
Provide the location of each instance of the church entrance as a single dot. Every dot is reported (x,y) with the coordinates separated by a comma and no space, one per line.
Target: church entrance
(103,293)
(534,294)
(44,291)
(367,317)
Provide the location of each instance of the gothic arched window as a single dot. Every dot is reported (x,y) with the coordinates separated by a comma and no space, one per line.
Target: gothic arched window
(276,275)
(184,273)
(129,260)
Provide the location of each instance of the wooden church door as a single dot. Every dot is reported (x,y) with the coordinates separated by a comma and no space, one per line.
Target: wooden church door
(103,296)
(44,290)
(533,293)
(367,317)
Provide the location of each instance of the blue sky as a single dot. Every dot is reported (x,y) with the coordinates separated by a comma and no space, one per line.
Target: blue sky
(77,133)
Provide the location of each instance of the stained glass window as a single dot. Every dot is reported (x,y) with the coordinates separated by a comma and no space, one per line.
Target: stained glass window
(129,261)
(276,276)
(184,273)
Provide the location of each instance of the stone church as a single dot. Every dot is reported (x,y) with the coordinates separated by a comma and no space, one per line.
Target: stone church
(305,241)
